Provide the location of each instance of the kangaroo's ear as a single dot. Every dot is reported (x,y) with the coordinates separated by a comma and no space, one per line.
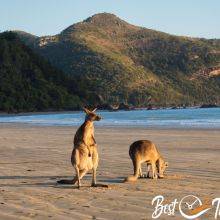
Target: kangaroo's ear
(94,109)
(86,110)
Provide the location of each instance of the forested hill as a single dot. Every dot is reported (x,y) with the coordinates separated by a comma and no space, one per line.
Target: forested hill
(135,65)
(29,83)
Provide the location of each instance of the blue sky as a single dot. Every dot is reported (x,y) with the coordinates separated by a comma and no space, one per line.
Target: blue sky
(197,18)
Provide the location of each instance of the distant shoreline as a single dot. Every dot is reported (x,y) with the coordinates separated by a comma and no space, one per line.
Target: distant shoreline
(102,110)
(108,127)
(162,118)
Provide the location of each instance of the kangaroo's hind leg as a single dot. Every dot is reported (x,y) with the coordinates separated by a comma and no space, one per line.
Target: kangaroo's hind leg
(148,170)
(94,176)
(94,184)
(81,175)
(137,167)
(95,162)
(141,175)
(77,176)
(154,171)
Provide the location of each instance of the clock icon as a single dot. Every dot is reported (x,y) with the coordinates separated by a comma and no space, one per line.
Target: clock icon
(190,203)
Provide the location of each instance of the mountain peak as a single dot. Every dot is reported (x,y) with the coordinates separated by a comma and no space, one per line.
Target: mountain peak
(106,21)
(102,19)
(103,15)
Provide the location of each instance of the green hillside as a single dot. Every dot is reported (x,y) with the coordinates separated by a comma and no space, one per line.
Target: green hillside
(121,62)
(125,63)
(28,82)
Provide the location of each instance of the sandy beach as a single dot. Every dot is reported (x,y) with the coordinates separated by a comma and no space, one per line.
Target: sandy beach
(32,159)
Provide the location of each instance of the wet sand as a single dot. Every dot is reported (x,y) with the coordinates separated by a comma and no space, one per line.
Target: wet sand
(32,159)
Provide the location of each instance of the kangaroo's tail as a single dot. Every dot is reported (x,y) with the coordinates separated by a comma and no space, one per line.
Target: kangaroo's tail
(130,179)
(133,178)
(71,182)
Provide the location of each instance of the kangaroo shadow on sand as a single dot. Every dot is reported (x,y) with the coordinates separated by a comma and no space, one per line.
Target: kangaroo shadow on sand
(31,177)
(51,181)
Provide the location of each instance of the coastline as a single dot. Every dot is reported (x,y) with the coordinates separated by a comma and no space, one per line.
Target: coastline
(107,127)
(158,119)
(103,110)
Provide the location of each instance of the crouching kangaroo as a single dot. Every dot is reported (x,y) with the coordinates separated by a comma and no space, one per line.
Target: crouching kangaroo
(85,154)
(145,151)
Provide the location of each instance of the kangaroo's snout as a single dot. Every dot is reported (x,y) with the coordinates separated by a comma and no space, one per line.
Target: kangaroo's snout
(98,118)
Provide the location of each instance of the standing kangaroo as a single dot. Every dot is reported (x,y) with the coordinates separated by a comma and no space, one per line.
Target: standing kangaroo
(145,151)
(85,154)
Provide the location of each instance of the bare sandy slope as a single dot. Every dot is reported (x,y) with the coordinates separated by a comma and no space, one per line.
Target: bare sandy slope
(32,159)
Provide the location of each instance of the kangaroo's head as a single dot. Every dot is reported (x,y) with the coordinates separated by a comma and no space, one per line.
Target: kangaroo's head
(161,166)
(91,115)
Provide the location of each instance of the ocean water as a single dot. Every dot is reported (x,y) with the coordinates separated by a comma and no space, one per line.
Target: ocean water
(167,118)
